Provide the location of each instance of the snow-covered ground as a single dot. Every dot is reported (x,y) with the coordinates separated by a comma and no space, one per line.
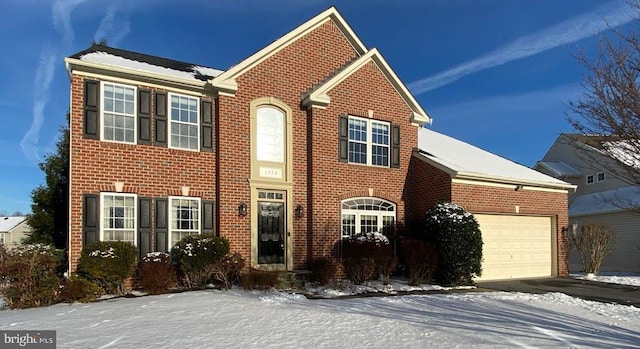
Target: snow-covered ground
(612,278)
(239,319)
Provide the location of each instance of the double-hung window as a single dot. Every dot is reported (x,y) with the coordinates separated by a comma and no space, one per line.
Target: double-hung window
(365,215)
(185,218)
(185,126)
(118,217)
(369,142)
(118,113)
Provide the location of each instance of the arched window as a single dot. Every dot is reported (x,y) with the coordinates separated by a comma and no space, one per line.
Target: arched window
(270,134)
(366,214)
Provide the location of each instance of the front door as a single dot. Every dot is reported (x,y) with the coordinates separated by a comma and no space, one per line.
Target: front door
(271,232)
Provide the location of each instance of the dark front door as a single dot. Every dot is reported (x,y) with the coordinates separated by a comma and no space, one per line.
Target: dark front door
(271,232)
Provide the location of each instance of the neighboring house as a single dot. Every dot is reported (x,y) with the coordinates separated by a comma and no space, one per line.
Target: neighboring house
(604,196)
(13,230)
(310,139)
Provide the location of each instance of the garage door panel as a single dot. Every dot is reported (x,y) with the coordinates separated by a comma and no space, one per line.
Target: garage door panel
(515,246)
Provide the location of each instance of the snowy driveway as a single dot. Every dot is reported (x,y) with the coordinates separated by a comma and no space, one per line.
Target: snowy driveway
(237,319)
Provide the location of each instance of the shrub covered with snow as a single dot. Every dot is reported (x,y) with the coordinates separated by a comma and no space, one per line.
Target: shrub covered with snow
(28,275)
(458,241)
(109,263)
(195,256)
(364,256)
(156,272)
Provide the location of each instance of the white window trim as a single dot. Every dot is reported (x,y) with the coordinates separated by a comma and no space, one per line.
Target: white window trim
(593,179)
(604,177)
(369,141)
(359,213)
(171,243)
(171,121)
(135,112)
(135,214)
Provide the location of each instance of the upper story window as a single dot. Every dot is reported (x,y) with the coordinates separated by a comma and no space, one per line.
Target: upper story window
(118,113)
(364,215)
(184,128)
(600,177)
(270,137)
(185,218)
(369,141)
(118,217)
(590,179)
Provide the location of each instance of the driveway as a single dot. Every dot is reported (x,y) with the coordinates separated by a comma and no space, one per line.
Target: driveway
(585,289)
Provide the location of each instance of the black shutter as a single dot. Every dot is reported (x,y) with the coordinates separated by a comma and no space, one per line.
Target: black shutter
(91,127)
(208,217)
(395,146)
(144,117)
(161,119)
(206,126)
(162,224)
(343,135)
(90,220)
(144,226)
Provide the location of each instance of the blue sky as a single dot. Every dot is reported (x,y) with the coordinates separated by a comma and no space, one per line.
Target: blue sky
(495,73)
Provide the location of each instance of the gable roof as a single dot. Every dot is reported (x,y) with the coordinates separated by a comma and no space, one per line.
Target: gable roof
(610,201)
(559,168)
(226,83)
(9,223)
(108,58)
(465,161)
(318,96)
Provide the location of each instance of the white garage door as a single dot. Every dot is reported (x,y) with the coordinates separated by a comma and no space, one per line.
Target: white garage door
(515,246)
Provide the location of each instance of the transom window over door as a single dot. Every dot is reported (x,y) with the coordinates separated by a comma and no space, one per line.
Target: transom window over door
(363,215)
(369,141)
(118,217)
(184,129)
(118,113)
(270,137)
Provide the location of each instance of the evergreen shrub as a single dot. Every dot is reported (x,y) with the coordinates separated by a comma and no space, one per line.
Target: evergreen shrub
(109,263)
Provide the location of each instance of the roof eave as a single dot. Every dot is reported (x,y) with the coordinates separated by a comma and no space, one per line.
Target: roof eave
(73,64)
(510,180)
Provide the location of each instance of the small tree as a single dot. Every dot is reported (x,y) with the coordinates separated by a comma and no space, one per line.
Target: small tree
(593,242)
(458,241)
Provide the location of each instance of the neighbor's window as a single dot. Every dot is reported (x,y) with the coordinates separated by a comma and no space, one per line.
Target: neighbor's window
(118,217)
(590,179)
(118,113)
(185,218)
(368,141)
(2,238)
(184,129)
(601,177)
(363,215)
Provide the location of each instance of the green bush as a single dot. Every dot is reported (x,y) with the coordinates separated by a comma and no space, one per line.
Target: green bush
(458,241)
(196,257)
(28,275)
(78,289)
(420,260)
(156,272)
(109,263)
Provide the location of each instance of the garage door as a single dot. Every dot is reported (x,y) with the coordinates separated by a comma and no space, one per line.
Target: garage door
(515,246)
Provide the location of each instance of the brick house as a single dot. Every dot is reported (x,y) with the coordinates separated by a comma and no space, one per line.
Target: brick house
(310,139)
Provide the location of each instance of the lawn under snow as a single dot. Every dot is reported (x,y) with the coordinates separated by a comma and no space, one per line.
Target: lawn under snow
(612,278)
(239,319)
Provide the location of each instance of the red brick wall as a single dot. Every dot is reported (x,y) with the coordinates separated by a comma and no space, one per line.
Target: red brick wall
(146,170)
(431,189)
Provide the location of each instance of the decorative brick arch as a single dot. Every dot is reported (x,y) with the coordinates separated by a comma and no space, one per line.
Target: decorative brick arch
(369,193)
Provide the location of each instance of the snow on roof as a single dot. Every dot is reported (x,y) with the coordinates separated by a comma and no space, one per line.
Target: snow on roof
(193,72)
(605,202)
(8,223)
(467,160)
(560,168)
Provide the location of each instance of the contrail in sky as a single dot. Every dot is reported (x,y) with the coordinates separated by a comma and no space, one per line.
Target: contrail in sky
(601,19)
(110,22)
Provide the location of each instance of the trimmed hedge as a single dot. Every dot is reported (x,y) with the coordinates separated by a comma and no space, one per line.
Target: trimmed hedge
(196,257)
(109,263)
(156,272)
